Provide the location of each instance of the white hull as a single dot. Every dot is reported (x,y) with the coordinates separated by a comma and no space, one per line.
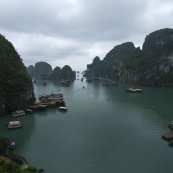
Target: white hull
(14,127)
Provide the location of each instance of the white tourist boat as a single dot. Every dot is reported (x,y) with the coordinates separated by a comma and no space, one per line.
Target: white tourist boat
(18,113)
(63,109)
(14,124)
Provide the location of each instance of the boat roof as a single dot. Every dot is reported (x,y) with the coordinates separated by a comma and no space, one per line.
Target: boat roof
(13,143)
(14,122)
(62,107)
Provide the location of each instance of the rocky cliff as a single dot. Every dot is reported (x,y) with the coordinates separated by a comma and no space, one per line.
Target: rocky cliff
(151,66)
(31,70)
(16,88)
(42,69)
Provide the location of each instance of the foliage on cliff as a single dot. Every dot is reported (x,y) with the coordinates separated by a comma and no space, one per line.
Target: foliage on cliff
(14,168)
(104,68)
(16,86)
(157,38)
(43,68)
(31,70)
(151,66)
(67,73)
(56,74)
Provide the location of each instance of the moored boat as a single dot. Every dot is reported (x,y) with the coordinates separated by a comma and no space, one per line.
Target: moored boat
(28,111)
(48,103)
(38,107)
(18,113)
(13,145)
(14,124)
(63,109)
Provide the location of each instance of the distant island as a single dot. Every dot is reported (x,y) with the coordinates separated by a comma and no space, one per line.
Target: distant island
(44,70)
(150,66)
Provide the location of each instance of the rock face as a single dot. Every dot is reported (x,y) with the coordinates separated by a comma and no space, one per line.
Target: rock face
(151,66)
(43,68)
(16,88)
(67,73)
(56,74)
(31,70)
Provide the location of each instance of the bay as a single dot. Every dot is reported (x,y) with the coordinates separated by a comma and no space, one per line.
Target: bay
(105,130)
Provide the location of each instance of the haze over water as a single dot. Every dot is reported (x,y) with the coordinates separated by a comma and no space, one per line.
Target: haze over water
(104,130)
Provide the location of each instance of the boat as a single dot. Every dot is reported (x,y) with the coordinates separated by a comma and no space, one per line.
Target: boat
(18,113)
(48,103)
(134,90)
(29,111)
(13,145)
(38,107)
(63,109)
(64,82)
(170,125)
(14,124)
(88,80)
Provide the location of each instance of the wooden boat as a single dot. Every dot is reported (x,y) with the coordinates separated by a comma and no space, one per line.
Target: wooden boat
(18,113)
(47,103)
(38,107)
(14,125)
(63,109)
(65,82)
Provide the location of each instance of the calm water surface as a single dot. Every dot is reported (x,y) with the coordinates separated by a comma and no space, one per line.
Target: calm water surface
(122,135)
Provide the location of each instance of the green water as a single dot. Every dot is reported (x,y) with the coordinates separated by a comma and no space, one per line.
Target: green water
(122,135)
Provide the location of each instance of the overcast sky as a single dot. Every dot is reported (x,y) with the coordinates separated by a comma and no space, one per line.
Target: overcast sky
(73,32)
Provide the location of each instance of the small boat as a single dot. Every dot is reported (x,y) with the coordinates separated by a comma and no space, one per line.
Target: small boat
(13,145)
(170,125)
(44,83)
(18,113)
(134,90)
(28,111)
(14,124)
(38,107)
(88,80)
(63,109)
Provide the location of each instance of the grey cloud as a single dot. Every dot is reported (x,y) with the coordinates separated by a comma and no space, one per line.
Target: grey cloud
(78,30)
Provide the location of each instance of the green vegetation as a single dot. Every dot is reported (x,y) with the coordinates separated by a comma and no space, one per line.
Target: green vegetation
(151,66)
(14,168)
(31,70)
(16,88)
(56,74)
(43,68)
(67,73)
